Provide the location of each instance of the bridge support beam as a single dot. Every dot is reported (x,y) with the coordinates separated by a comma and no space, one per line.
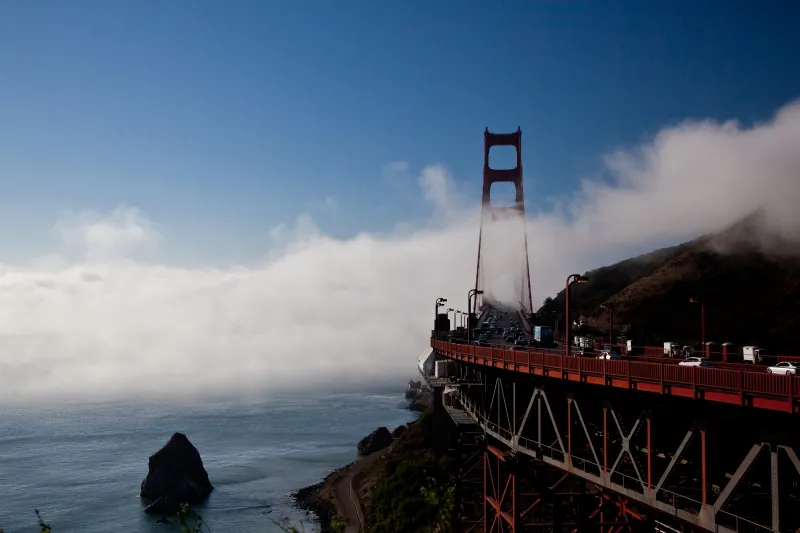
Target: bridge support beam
(499,491)
(687,463)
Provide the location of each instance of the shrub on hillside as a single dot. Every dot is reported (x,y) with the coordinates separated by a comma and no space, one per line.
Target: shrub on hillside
(414,495)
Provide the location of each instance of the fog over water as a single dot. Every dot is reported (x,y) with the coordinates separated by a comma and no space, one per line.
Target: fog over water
(101,318)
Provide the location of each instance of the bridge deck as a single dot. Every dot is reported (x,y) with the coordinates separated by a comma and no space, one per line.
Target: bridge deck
(738,387)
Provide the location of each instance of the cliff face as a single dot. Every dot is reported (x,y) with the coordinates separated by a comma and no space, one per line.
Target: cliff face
(747,275)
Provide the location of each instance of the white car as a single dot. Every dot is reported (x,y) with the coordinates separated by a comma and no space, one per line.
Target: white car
(782,368)
(695,361)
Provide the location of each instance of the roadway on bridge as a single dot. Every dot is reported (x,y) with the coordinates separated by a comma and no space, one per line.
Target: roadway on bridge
(503,320)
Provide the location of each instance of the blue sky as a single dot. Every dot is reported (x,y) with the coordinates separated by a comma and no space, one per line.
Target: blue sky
(221,120)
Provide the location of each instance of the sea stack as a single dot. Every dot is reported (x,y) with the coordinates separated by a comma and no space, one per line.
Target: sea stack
(175,475)
(377,440)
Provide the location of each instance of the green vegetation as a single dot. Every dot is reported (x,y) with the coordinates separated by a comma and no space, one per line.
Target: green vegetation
(414,495)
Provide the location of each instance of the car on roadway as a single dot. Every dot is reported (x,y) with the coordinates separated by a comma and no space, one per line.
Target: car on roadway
(609,354)
(696,361)
(783,368)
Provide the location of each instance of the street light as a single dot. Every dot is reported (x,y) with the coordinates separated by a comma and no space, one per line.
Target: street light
(702,321)
(439,303)
(610,322)
(470,294)
(454,315)
(574,278)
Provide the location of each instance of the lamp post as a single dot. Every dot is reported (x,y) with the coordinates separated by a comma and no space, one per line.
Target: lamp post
(573,278)
(454,316)
(610,322)
(439,303)
(702,322)
(470,294)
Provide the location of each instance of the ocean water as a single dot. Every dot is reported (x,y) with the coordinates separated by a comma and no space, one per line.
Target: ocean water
(82,466)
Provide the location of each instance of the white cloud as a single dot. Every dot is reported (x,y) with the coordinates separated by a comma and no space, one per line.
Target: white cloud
(125,232)
(321,308)
(438,187)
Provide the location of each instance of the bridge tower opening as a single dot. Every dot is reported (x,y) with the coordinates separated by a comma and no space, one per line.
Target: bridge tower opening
(503,223)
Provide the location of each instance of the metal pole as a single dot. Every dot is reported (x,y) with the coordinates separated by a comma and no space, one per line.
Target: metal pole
(703,463)
(649,457)
(605,441)
(485,492)
(703,324)
(566,315)
(469,314)
(611,326)
(469,325)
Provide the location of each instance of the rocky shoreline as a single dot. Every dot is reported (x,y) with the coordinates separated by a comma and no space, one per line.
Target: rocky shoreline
(318,500)
(308,500)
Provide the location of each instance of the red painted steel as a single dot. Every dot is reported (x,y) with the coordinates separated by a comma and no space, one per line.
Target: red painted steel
(723,385)
(502,496)
(513,176)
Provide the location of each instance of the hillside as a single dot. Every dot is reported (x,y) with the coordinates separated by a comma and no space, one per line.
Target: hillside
(402,488)
(748,277)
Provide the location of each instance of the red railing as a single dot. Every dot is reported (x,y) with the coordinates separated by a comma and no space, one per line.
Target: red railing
(730,385)
(716,354)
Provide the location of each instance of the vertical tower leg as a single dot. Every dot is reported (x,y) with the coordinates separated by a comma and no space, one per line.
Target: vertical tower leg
(491,212)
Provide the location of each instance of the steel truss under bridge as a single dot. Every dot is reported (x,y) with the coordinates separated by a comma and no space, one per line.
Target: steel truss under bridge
(571,457)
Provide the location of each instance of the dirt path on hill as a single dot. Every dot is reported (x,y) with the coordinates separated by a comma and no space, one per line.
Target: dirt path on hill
(346,488)
(349,504)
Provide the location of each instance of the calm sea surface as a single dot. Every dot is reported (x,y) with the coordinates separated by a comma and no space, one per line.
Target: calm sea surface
(82,466)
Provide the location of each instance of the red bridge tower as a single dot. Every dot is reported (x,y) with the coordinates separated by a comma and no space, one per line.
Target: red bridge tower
(491,212)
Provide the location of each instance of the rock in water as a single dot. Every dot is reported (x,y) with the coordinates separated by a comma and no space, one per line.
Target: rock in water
(176,475)
(398,431)
(377,440)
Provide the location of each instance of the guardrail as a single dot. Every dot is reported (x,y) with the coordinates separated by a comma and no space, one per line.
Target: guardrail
(658,352)
(649,356)
(724,385)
